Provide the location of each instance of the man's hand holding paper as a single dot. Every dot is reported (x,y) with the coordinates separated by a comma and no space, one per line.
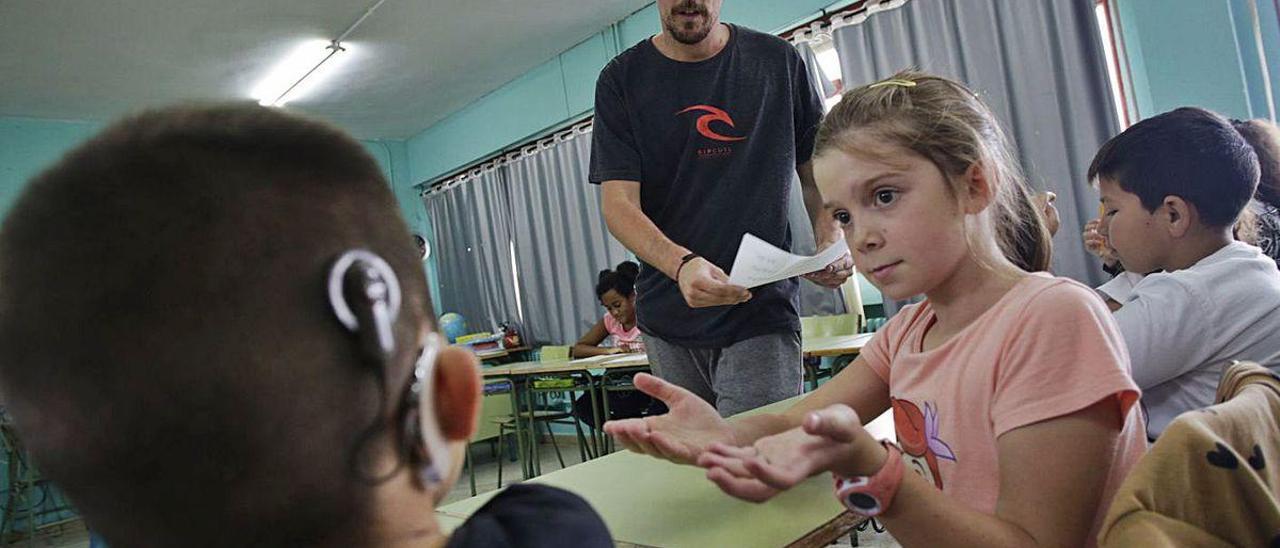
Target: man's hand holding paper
(758,263)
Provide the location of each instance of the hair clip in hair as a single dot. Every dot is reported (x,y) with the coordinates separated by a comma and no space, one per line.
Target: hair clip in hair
(893,82)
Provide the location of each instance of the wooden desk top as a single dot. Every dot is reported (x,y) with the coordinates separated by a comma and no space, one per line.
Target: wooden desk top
(836,346)
(814,347)
(650,502)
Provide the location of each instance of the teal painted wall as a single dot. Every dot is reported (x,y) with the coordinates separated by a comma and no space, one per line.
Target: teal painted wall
(1252,61)
(29,145)
(1198,52)
(563,88)
(393,157)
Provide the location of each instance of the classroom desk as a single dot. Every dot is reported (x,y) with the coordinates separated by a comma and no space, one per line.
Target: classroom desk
(650,502)
(503,353)
(843,345)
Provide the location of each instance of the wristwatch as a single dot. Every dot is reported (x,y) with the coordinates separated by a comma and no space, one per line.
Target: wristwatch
(870,496)
(684,261)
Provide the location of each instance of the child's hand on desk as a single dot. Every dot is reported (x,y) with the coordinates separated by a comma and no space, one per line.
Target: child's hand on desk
(831,439)
(681,434)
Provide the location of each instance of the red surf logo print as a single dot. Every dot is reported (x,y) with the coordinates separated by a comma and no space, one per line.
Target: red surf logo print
(713,114)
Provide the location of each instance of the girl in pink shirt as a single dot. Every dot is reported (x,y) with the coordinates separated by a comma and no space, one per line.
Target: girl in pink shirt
(617,293)
(1010,390)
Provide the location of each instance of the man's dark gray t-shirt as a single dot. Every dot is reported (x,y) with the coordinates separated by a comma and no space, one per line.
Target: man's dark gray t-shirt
(714,145)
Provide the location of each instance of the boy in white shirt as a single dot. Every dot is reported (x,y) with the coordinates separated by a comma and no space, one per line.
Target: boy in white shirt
(1172,188)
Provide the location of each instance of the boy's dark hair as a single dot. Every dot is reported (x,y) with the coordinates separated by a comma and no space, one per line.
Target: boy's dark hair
(166,346)
(621,279)
(1189,152)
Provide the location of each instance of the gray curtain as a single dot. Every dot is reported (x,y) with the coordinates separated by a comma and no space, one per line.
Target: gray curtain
(561,239)
(473,248)
(1037,63)
(815,300)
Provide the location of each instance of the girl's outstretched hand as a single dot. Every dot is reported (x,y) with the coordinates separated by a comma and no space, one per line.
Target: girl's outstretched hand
(680,435)
(831,439)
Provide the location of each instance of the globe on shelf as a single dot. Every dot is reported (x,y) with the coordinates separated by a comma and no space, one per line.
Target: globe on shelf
(452,325)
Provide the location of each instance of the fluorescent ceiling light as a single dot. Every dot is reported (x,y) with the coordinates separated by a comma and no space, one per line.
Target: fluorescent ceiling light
(299,73)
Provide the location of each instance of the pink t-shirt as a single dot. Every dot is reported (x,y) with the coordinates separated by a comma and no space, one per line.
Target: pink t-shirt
(1047,348)
(628,339)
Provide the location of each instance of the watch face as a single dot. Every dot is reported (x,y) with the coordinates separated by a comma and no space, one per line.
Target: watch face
(863,503)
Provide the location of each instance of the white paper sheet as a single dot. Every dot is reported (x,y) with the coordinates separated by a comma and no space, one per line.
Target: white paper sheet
(758,262)
(594,359)
(604,359)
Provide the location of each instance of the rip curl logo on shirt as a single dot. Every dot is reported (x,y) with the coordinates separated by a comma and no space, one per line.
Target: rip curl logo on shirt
(713,114)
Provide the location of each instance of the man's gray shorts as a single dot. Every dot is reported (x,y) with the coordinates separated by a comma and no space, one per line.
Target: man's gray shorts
(745,375)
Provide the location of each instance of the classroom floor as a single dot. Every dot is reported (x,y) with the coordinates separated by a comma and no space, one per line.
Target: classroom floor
(73,535)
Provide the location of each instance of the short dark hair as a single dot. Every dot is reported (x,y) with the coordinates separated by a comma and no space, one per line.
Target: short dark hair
(166,346)
(1189,152)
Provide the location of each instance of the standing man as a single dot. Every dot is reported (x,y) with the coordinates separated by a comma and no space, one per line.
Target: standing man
(697,134)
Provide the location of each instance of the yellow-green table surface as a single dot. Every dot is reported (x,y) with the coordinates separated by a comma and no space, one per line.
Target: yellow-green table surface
(651,502)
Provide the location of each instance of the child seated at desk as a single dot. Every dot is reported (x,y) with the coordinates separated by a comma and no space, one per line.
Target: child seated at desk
(1010,389)
(616,290)
(1259,223)
(213,334)
(1173,187)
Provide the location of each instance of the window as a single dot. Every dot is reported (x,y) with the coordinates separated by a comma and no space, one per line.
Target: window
(1112,46)
(515,278)
(825,50)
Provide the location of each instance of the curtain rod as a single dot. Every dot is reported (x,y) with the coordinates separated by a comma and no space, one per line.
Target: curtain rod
(507,156)
(820,29)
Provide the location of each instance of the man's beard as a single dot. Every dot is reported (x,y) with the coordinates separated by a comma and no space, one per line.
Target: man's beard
(688,33)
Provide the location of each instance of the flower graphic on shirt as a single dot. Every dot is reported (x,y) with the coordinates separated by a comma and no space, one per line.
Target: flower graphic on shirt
(713,115)
(918,435)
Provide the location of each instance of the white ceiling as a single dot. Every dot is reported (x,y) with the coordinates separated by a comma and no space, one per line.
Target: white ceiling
(412,62)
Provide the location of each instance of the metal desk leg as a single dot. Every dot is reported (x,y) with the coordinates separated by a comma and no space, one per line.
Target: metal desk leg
(585,449)
(597,432)
(535,463)
(516,383)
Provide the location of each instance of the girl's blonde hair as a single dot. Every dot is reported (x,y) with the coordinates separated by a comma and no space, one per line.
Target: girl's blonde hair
(946,123)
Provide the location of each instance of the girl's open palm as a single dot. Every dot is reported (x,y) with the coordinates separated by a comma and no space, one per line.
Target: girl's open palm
(682,434)
(773,464)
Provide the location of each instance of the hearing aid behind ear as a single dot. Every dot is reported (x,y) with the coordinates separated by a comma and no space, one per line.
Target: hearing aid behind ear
(436,457)
(363,279)
(365,296)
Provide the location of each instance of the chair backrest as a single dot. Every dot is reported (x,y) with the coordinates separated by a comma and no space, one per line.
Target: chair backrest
(853,301)
(873,324)
(828,326)
(849,323)
(553,354)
